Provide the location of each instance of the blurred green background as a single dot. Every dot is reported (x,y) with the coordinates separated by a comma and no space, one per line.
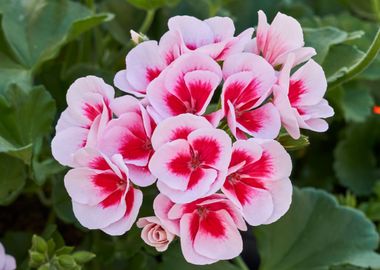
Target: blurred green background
(46,44)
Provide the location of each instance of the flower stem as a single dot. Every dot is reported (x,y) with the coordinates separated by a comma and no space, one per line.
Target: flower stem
(147,21)
(362,64)
(240,262)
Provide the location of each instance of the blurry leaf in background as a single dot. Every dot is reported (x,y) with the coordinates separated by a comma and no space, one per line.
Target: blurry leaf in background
(317,233)
(22,122)
(152,4)
(11,72)
(355,164)
(366,9)
(126,17)
(12,178)
(36,29)
(322,39)
(62,202)
(355,101)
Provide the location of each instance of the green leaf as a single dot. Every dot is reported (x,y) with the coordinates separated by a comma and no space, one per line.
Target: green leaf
(321,39)
(340,60)
(173,259)
(12,178)
(62,202)
(11,72)
(355,158)
(22,122)
(356,101)
(37,29)
(152,4)
(291,144)
(317,233)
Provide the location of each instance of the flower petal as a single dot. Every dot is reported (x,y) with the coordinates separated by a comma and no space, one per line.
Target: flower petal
(133,198)
(178,127)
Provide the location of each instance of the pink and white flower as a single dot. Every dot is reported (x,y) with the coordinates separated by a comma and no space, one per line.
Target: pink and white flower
(208,228)
(299,98)
(275,41)
(130,135)
(154,233)
(88,112)
(143,64)
(214,36)
(258,180)
(186,86)
(102,195)
(248,83)
(191,157)
(7,262)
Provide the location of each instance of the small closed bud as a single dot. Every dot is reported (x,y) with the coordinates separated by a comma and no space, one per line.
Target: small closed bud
(66,261)
(138,37)
(36,258)
(39,244)
(83,257)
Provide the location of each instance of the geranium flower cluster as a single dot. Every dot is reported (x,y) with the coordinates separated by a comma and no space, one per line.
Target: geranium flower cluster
(216,167)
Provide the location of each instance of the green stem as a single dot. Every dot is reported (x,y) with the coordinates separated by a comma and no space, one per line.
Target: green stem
(361,65)
(239,262)
(147,21)
(43,199)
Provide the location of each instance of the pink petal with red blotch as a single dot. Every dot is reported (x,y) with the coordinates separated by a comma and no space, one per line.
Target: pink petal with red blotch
(189,225)
(91,158)
(215,117)
(86,98)
(281,192)
(263,122)
(133,200)
(110,210)
(187,63)
(170,45)
(126,135)
(287,113)
(125,104)
(251,46)
(141,176)
(282,36)
(274,164)
(178,127)
(201,85)
(90,187)
(256,64)
(212,147)
(163,102)
(171,164)
(162,205)
(301,55)
(66,142)
(236,44)
(144,63)
(320,110)
(185,26)
(120,81)
(66,120)
(199,183)
(217,236)
(222,28)
(307,85)
(316,124)
(256,203)
(246,91)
